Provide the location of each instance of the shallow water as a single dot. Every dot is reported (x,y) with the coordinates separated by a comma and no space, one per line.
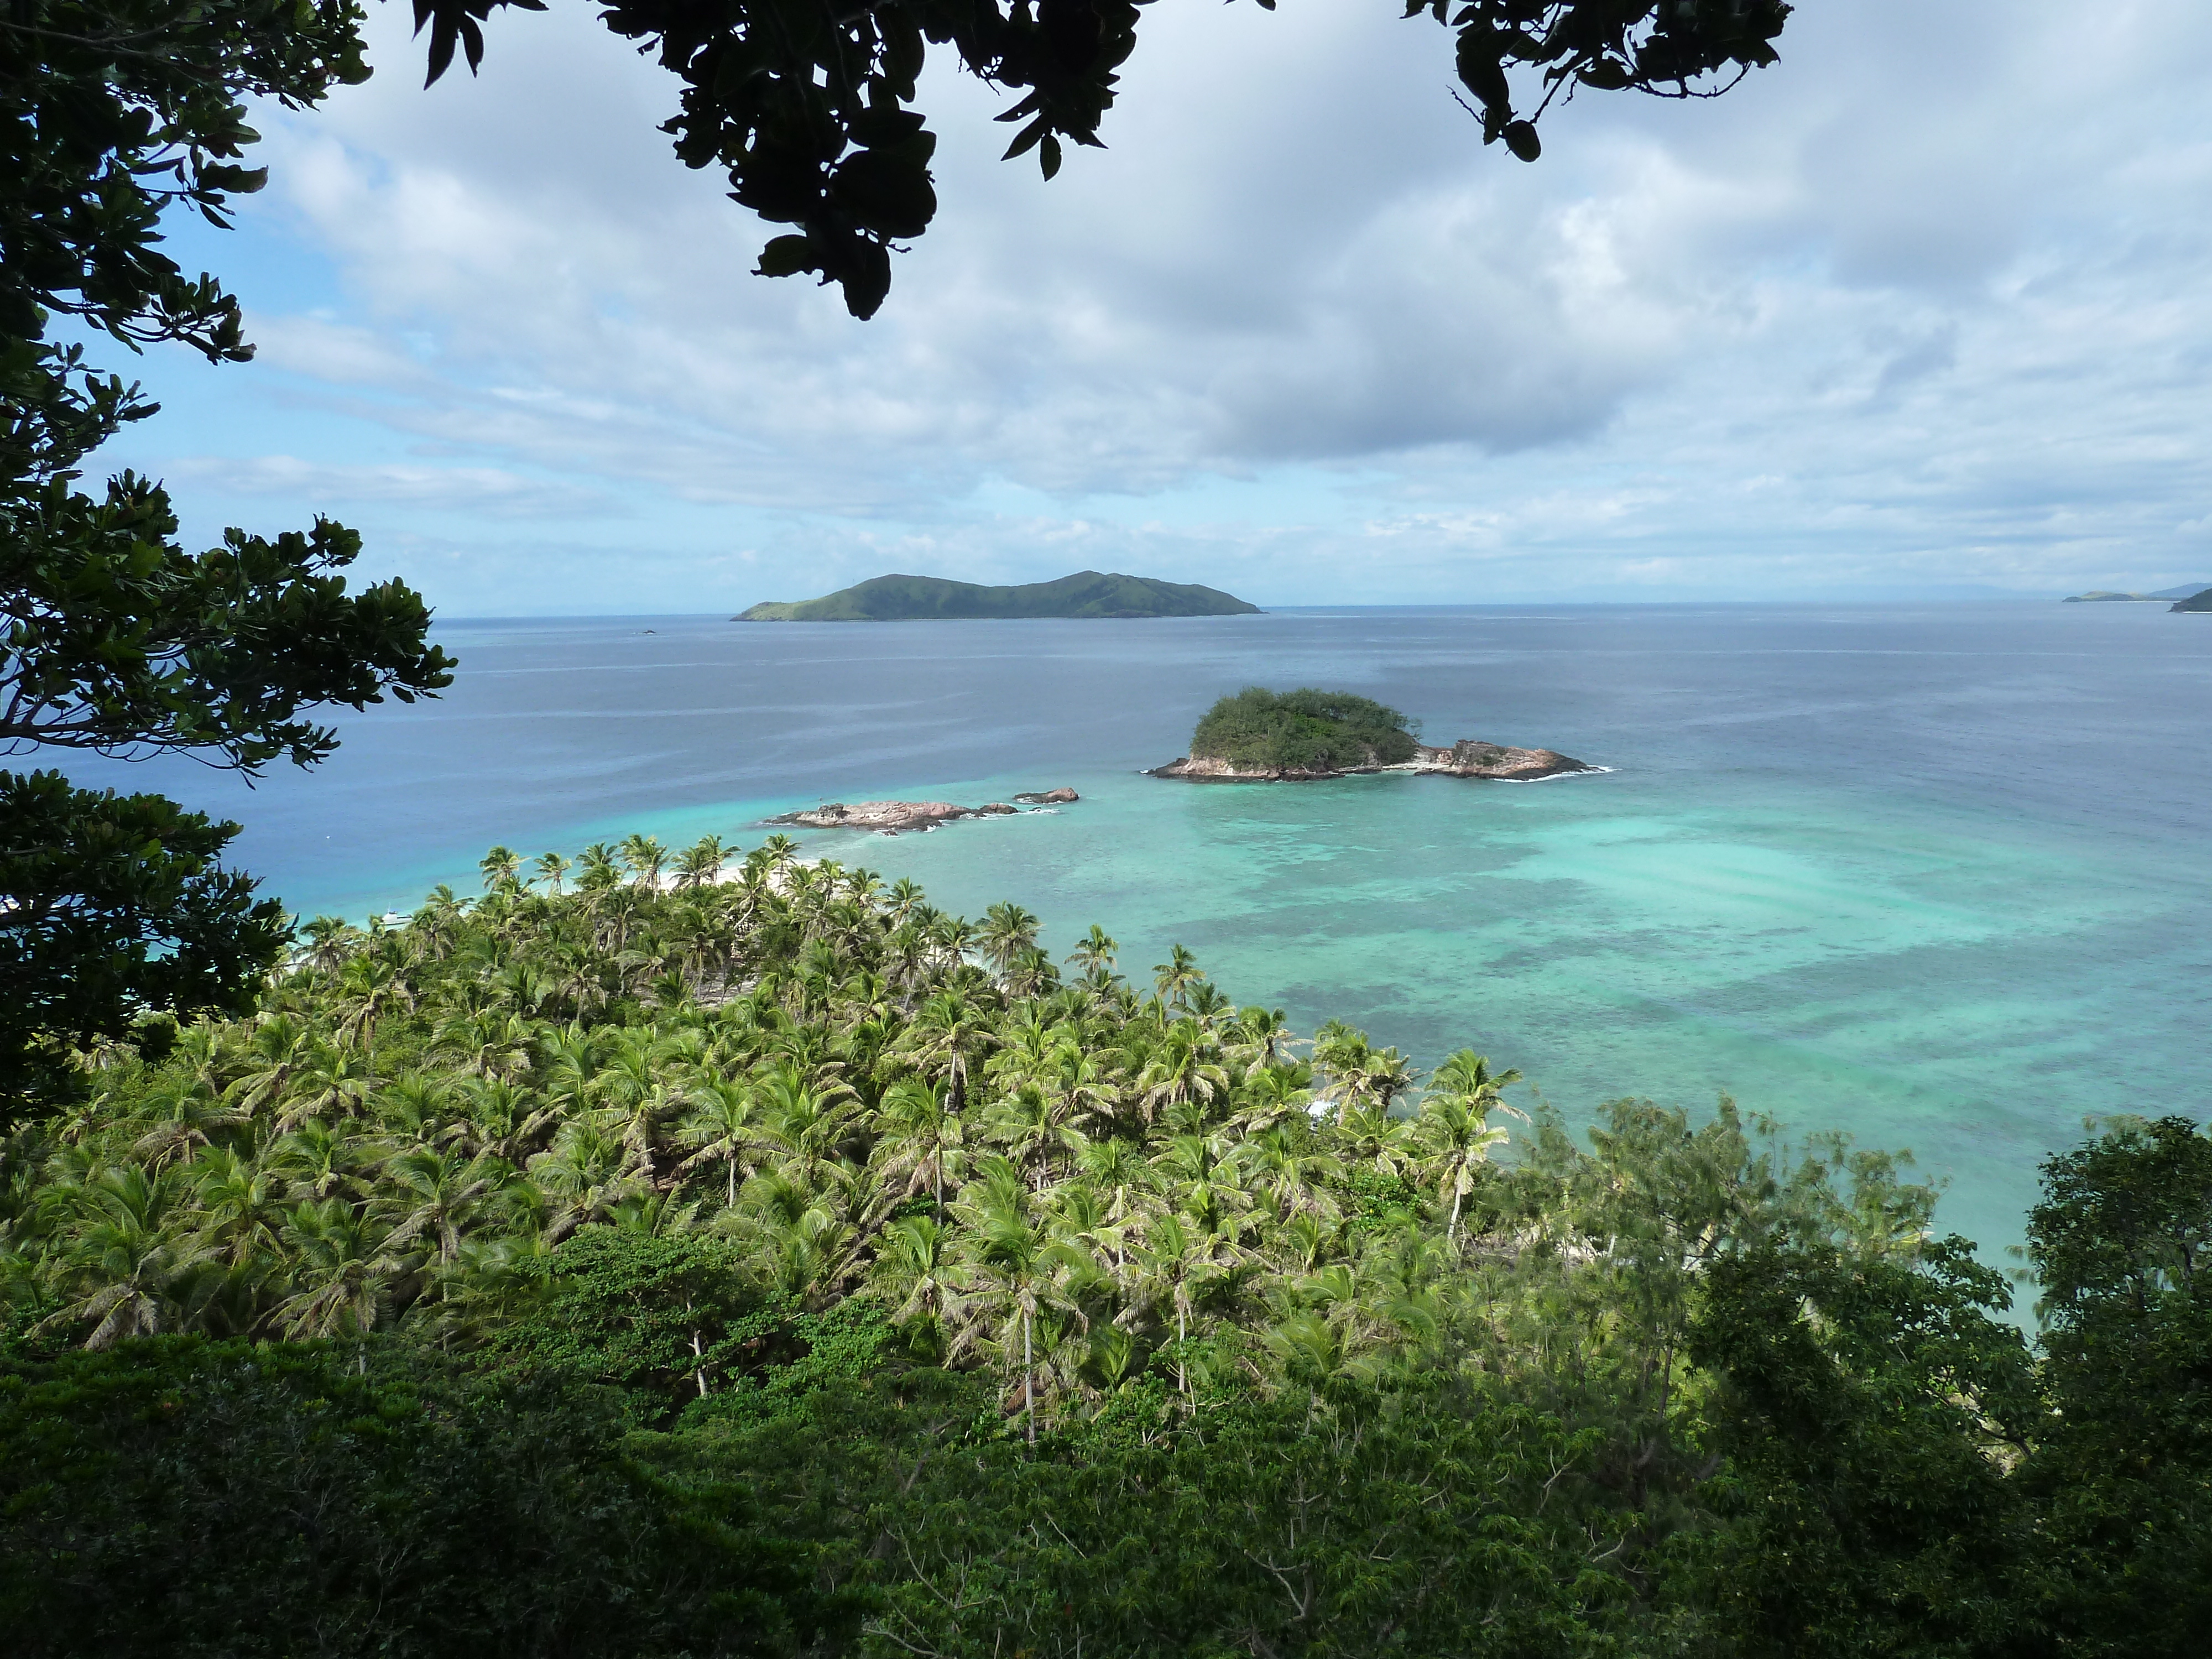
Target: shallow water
(1935,875)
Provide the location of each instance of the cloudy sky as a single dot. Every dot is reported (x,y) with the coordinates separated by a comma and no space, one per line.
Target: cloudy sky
(1922,311)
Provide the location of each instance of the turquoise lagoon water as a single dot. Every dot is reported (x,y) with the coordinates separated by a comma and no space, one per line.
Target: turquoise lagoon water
(1935,876)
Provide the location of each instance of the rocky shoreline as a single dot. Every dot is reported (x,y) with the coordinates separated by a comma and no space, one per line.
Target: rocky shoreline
(891,818)
(1469,757)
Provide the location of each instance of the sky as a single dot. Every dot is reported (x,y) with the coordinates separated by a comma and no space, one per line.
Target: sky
(1921,312)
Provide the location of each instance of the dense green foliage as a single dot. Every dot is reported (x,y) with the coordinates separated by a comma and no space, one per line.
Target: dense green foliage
(188,1498)
(1306,731)
(114,902)
(776,1264)
(1086,594)
(112,637)
(2123,1244)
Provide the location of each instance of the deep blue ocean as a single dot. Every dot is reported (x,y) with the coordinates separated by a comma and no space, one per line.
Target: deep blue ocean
(1937,876)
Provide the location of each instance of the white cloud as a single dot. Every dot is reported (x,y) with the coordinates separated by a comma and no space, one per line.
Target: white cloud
(444,489)
(1925,303)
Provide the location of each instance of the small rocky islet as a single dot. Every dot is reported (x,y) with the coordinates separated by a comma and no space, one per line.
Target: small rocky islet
(891,818)
(1259,736)
(1256,735)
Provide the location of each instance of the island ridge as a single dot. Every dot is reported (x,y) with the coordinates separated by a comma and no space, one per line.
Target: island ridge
(1087,593)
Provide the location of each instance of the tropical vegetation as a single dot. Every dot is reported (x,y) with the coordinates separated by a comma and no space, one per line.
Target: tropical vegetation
(1304,730)
(667,1252)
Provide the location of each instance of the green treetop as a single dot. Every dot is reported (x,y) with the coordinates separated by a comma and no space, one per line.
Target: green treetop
(1303,731)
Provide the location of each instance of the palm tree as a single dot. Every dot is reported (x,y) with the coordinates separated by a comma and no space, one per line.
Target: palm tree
(1093,953)
(180,1115)
(955,936)
(1012,1264)
(808,1124)
(438,1195)
(500,1118)
(436,927)
(1182,1262)
(1181,1069)
(333,1083)
(599,869)
(1008,931)
(700,864)
(1087,1078)
(318,1160)
(901,900)
(584,1175)
(948,1034)
(489,1042)
(1362,1078)
(1208,1006)
(1262,1036)
(644,856)
(552,869)
(1367,1133)
(1177,976)
(1030,973)
(1453,1132)
(1282,1162)
(331,940)
(808,1257)
(368,988)
(919,1139)
(1269,1095)
(279,1045)
(501,866)
(720,1127)
(1033,1129)
(1118,1169)
(634,1099)
(1386,1075)
(915,1268)
(120,1268)
(1201,1172)
(241,1208)
(342,1275)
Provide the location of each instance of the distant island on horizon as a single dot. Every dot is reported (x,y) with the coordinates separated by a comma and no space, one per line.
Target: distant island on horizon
(1087,593)
(2186,592)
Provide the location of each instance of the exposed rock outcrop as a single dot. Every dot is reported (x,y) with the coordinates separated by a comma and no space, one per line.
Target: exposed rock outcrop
(1050,798)
(1470,757)
(889,817)
(877,815)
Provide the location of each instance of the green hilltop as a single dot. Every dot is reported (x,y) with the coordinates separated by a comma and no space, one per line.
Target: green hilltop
(1307,729)
(1085,593)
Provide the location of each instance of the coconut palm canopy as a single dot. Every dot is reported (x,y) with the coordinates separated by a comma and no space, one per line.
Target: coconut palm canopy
(1029,1167)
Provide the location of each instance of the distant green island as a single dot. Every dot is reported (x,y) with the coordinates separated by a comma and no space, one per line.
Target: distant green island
(2196,601)
(1086,594)
(2186,593)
